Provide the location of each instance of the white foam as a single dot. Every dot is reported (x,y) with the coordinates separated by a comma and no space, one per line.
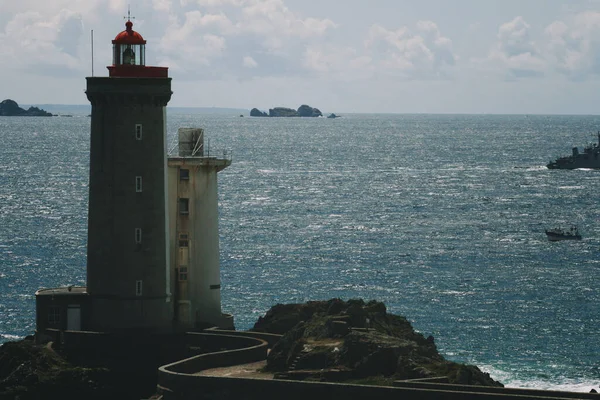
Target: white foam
(509,380)
(574,386)
(10,337)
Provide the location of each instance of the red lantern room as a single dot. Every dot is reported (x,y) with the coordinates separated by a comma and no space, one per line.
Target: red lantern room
(129,56)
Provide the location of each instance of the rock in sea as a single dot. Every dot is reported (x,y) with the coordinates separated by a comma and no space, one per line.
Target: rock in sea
(10,108)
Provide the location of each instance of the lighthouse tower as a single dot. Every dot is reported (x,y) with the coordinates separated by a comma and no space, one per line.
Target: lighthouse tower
(128,273)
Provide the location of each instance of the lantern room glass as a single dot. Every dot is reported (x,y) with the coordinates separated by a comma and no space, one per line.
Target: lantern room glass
(129,54)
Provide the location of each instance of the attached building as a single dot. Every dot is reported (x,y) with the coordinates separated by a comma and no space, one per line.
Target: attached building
(194,231)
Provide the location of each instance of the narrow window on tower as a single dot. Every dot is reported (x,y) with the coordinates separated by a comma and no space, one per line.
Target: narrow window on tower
(184,206)
(138,131)
(53,315)
(138,235)
(138,288)
(183,273)
(184,174)
(183,240)
(138,184)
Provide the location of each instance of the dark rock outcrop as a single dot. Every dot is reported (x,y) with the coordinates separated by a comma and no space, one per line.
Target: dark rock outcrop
(255,112)
(303,111)
(10,108)
(308,111)
(282,112)
(32,371)
(354,341)
(29,371)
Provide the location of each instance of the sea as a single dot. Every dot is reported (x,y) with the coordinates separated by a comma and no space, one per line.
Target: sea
(441,217)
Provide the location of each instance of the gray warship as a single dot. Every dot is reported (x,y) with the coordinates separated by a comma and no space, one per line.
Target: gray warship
(589,158)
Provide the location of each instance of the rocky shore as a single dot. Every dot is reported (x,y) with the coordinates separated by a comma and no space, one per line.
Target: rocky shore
(356,342)
(332,341)
(31,371)
(10,108)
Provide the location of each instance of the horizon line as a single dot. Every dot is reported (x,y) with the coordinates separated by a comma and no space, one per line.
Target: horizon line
(340,112)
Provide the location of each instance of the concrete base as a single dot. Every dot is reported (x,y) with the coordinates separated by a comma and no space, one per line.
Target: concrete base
(110,315)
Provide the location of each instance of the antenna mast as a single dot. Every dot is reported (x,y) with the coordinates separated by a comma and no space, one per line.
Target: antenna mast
(92,52)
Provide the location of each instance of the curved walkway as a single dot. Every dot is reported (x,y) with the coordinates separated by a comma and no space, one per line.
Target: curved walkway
(250,370)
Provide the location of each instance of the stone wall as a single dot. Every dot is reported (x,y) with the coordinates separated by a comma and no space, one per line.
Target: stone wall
(177,381)
(241,350)
(270,338)
(213,388)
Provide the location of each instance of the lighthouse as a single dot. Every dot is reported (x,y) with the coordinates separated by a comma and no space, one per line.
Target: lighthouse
(153,240)
(128,272)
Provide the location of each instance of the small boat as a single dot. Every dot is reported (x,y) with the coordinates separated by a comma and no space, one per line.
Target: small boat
(557,234)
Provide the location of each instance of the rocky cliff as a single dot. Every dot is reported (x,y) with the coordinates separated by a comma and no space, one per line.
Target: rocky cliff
(29,371)
(32,371)
(354,341)
(10,108)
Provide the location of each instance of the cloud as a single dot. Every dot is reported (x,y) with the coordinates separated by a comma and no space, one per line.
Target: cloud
(574,47)
(262,29)
(335,62)
(513,38)
(267,17)
(425,54)
(214,3)
(249,62)
(162,5)
(49,45)
(515,54)
(263,18)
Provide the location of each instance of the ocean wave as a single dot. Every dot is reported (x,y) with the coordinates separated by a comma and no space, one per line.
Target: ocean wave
(8,337)
(511,379)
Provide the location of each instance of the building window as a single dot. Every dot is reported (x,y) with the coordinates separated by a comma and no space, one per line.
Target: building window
(183,273)
(183,240)
(138,235)
(138,184)
(184,174)
(53,315)
(184,206)
(138,288)
(138,131)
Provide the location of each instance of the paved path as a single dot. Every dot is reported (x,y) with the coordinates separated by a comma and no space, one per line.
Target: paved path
(252,370)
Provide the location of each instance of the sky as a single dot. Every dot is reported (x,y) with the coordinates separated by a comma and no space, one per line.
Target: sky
(377,56)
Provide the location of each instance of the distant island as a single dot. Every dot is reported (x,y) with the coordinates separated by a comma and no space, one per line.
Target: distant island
(10,108)
(302,111)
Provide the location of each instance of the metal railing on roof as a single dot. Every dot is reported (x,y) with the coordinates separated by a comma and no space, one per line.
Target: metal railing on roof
(200,150)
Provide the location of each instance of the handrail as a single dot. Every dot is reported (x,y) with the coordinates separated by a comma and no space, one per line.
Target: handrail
(255,351)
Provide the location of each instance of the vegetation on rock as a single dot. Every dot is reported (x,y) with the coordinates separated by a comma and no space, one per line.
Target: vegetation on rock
(354,341)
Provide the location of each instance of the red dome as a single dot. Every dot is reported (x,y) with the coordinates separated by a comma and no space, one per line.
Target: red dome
(129,36)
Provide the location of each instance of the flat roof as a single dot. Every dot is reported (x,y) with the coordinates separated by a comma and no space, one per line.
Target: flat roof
(219,163)
(62,291)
